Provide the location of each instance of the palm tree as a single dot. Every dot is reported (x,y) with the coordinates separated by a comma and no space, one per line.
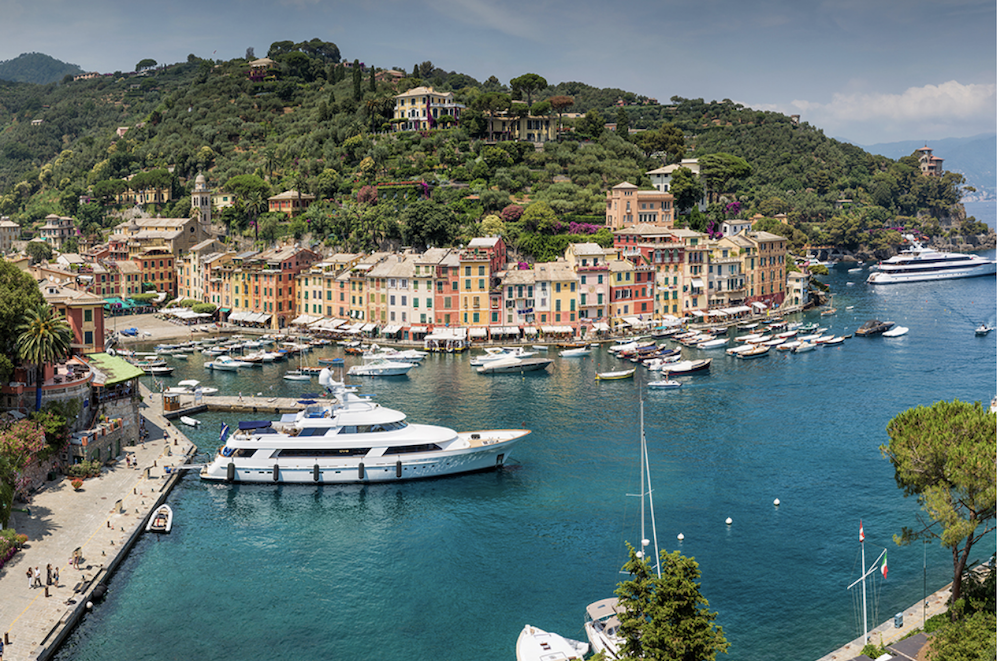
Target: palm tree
(42,337)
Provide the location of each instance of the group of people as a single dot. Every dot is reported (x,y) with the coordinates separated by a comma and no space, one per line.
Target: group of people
(35,577)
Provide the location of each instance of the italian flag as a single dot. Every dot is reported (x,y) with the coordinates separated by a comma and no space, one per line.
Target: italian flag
(861,531)
(885,566)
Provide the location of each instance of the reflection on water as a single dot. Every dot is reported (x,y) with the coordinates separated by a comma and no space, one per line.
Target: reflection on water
(408,570)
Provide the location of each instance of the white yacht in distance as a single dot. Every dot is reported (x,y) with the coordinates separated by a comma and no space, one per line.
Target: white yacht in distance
(352,439)
(920,264)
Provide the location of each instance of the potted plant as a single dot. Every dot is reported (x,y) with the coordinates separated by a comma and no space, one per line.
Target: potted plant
(77,483)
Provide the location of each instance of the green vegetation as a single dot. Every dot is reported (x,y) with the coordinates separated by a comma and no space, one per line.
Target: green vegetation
(36,68)
(945,455)
(20,442)
(43,336)
(319,127)
(666,617)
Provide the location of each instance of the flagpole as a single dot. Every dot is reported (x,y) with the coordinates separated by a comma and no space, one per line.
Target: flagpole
(864,591)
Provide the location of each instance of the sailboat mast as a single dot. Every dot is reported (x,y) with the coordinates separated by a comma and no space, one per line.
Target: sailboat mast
(647,492)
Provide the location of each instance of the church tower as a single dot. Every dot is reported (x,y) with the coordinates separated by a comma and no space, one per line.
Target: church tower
(201,199)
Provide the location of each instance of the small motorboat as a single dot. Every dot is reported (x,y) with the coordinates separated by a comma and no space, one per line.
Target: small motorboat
(575,353)
(687,366)
(839,339)
(713,344)
(536,645)
(874,327)
(615,376)
(161,520)
(665,384)
(804,347)
(828,312)
(513,364)
(983,329)
(897,331)
(759,351)
(190,422)
(331,361)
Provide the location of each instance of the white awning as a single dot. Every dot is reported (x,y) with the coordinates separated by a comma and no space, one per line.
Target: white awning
(497,330)
(696,313)
(389,330)
(632,321)
(477,332)
(530,330)
(557,329)
(355,328)
(304,320)
(715,313)
(367,327)
(697,283)
(601,326)
(417,329)
(759,305)
(511,330)
(739,309)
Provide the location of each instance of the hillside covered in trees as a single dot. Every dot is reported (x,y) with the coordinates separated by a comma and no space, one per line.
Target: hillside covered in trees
(36,68)
(319,127)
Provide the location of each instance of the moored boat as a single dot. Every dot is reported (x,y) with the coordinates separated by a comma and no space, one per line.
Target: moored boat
(190,422)
(534,644)
(759,351)
(874,327)
(161,520)
(615,375)
(350,439)
(687,366)
(512,364)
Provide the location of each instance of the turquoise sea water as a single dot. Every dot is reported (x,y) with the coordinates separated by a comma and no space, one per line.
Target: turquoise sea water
(453,568)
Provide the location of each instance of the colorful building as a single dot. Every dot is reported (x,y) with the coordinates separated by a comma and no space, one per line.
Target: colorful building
(627,206)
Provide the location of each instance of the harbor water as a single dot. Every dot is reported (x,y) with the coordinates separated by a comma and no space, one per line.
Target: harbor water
(453,568)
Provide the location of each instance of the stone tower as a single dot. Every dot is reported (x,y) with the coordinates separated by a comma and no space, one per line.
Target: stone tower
(201,199)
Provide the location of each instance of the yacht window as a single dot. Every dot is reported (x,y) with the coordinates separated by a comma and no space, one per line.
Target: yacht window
(369,429)
(407,449)
(244,452)
(313,431)
(322,452)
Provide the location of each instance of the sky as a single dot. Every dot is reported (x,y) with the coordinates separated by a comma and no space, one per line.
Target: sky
(867,71)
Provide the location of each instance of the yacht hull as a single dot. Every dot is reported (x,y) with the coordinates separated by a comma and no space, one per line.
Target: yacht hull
(486,450)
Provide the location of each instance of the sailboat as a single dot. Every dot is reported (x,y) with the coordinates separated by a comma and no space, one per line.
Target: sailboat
(602,616)
(298,374)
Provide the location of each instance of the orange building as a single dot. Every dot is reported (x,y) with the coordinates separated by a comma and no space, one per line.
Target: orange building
(627,206)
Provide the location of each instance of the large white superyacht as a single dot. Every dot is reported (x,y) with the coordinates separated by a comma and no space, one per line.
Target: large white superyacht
(921,264)
(348,439)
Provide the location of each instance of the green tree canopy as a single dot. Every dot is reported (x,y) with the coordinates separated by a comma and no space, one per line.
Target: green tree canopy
(945,454)
(18,293)
(38,251)
(243,185)
(686,189)
(667,140)
(666,618)
(526,84)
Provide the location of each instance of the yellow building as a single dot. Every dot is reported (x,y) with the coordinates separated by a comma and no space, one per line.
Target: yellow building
(420,108)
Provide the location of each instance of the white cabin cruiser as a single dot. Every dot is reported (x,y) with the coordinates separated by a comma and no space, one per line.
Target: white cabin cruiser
(919,264)
(352,439)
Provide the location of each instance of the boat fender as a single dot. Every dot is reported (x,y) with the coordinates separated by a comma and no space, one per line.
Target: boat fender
(399,468)
(230,472)
(99,592)
(361,471)
(315,472)
(274,474)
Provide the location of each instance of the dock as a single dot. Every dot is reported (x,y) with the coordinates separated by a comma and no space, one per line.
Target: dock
(192,405)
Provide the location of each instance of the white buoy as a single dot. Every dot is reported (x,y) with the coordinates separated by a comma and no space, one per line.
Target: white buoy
(776,502)
(90,605)
(729,521)
(680,537)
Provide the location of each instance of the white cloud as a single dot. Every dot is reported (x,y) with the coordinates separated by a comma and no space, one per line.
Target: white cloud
(951,100)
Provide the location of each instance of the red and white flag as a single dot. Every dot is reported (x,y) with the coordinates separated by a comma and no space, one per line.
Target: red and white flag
(885,566)
(861,531)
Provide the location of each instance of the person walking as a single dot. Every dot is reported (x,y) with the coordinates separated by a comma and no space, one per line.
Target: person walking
(48,574)
(30,579)
(38,577)
(55,576)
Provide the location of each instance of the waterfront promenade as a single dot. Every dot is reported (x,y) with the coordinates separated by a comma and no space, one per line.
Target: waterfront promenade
(101,520)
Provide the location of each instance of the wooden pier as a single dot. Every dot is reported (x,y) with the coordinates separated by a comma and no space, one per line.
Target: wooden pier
(190,405)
